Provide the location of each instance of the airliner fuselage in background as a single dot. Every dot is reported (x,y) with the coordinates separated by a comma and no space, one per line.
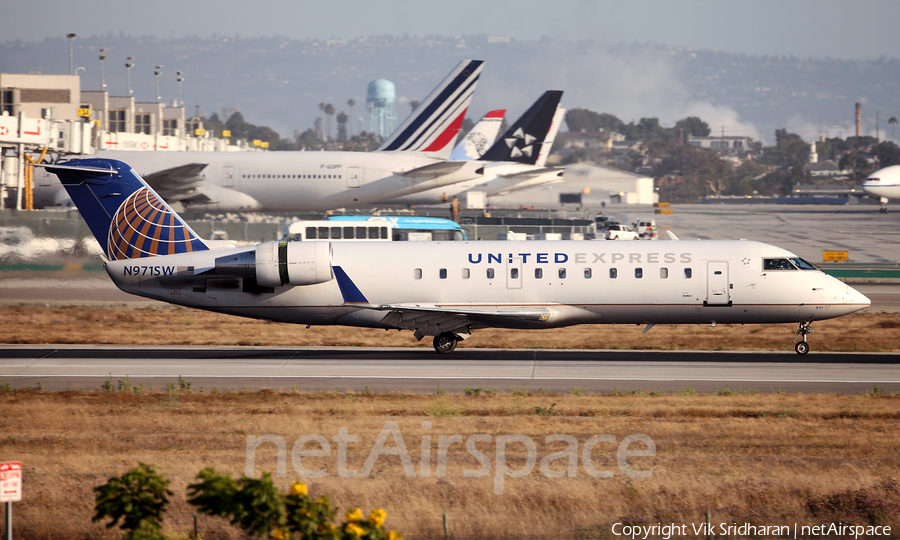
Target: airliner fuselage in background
(446,289)
(884,183)
(290,181)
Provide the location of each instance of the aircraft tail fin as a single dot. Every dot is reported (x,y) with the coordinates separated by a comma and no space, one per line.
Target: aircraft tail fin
(523,140)
(126,216)
(480,138)
(551,137)
(433,126)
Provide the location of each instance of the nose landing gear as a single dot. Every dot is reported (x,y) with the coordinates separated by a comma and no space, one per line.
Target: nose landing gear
(803,328)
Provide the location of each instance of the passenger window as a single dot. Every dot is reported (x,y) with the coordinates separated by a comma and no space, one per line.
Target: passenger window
(383,231)
(373,233)
(587,273)
(443,273)
(310,233)
(417,273)
(361,233)
(638,273)
(514,273)
(490,273)
(465,273)
(664,273)
(348,233)
(562,273)
(613,273)
(538,273)
(335,233)
(687,273)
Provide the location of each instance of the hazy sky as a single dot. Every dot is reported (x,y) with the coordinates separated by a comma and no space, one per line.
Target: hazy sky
(835,28)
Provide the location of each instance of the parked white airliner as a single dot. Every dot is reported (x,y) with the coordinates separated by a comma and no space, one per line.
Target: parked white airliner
(884,183)
(445,289)
(411,159)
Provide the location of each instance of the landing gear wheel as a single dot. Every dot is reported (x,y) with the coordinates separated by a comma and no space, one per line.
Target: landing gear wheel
(803,329)
(445,343)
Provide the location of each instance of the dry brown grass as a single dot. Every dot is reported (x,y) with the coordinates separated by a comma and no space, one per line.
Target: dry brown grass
(766,459)
(164,325)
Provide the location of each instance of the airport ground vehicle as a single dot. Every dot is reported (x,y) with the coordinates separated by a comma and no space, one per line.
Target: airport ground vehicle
(646,228)
(378,228)
(617,231)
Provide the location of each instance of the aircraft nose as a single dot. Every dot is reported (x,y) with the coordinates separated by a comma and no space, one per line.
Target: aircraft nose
(854,300)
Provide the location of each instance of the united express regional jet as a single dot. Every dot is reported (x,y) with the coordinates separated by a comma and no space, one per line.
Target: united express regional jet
(446,290)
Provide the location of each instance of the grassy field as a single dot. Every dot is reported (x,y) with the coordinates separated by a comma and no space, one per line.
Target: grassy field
(763,459)
(167,325)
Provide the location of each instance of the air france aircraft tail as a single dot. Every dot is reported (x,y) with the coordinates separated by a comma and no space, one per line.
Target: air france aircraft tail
(523,140)
(433,126)
(126,216)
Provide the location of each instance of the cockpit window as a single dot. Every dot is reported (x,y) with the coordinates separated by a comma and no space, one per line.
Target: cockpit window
(777,264)
(802,265)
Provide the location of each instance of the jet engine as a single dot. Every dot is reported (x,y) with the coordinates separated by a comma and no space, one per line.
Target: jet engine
(276,264)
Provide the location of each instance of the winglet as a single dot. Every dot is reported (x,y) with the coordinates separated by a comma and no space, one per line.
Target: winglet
(349,290)
(671,235)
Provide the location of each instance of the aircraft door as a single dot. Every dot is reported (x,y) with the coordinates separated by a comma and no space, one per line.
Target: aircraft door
(717,285)
(514,273)
(354,177)
(228,174)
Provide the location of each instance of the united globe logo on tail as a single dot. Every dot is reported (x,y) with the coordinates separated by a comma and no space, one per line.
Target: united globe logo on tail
(144,226)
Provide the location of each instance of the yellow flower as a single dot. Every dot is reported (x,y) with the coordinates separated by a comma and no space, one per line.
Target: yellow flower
(394,535)
(299,488)
(278,534)
(377,517)
(354,514)
(320,500)
(355,529)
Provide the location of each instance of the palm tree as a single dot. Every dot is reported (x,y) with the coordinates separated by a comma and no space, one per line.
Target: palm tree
(351,102)
(329,110)
(892,121)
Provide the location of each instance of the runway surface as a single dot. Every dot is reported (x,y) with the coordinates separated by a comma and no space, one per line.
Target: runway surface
(422,370)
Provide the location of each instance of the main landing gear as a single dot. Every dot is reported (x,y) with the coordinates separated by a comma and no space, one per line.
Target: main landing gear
(445,343)
(803,328)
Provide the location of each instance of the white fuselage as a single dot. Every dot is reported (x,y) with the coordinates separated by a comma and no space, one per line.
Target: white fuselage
(727,283)
(282,181)
(884,183)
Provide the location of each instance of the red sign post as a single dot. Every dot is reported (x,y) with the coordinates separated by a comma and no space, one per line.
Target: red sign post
(10,489)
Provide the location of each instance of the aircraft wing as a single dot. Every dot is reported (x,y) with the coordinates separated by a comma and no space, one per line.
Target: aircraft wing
(432,319)
(434,170)
(181,183)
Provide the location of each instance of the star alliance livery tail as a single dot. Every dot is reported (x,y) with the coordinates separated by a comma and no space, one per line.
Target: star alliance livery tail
(523,140)
(126,216)
(433,126)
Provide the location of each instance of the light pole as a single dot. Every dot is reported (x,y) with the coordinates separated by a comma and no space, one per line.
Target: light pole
(128,65)
(71,36)
(158,72)
(180,80)
(102,79)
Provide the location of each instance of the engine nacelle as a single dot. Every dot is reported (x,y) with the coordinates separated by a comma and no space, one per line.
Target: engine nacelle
(275,264)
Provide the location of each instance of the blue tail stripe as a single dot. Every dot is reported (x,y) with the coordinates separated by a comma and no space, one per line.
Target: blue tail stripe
(349,290)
